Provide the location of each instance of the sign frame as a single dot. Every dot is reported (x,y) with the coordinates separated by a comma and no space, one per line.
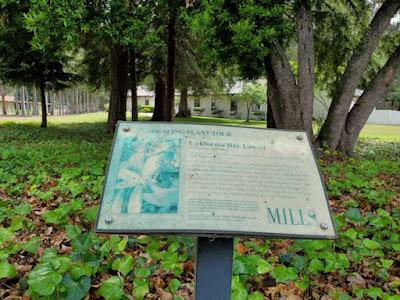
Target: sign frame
(215,233)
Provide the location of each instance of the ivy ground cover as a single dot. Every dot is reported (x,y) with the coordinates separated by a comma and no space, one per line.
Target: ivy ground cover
(50,185)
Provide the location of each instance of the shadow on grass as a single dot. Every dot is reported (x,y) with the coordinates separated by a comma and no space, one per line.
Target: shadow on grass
(90,131)
(94,132)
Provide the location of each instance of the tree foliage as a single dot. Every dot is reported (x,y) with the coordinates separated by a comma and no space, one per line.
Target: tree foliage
(23,64)
(252,94)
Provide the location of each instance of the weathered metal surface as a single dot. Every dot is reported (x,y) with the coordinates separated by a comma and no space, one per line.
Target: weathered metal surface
(213,180)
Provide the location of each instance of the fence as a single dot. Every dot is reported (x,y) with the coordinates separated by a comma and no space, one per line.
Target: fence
(386,117)
(70,101)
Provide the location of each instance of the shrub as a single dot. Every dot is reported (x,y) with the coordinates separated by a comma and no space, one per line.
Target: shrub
(259,113)
(146,109)
(217,111)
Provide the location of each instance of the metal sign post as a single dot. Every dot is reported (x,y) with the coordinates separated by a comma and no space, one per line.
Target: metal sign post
(214,257)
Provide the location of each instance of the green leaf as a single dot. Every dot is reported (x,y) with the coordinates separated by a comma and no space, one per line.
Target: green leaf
(330,261)
(239,292)
(315,266)
(126,265)
(342,261)
(370,244)
(263,266)
(256,296)
(22,209)
(90,214)
(7,270)
(111,289)
(351,233)
(344,296)
(120,246)
(391,297)
(396,246)
(43,280)
(5,234)
(60,263)
(174,285)
(142,272)
(80,270)
(353,214)
(140,290)
(387,263)
(374,292)
(32,245)
(16,224)
(245,264)
(75,290)
(72,231)
(283,274)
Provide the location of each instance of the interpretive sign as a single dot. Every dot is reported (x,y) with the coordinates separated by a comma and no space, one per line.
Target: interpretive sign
(213,180)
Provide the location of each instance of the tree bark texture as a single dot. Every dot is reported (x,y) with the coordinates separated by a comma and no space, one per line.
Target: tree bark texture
(290,102)
(376,90)
(270,117)
(334,125)
(183,104)
(160,100)
(42,89)
(133,73)
(170,112)
(305,57)
(119,85)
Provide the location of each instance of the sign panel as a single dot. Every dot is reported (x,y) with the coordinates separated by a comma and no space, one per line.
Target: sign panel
(213,180)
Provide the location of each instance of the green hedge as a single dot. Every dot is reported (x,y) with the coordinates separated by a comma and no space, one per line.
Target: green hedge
(146,109)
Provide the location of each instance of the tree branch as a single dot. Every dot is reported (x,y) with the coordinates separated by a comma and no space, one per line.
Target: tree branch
(335,122)
(376,90)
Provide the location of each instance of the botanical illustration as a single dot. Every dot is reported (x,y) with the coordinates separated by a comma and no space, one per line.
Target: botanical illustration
(148,176)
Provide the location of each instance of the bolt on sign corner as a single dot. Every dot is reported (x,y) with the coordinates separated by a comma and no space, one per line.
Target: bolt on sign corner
(213,181)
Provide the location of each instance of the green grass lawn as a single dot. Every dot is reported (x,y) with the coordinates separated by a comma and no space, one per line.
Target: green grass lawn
(382,132)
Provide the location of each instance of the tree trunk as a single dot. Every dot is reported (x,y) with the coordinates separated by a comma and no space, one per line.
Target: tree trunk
(248,107)
(35,102)
(3,98)
(334,125)
(305,56)
(22,90)
(376,90)
(17,95)
(272,95)
(133,73)
(282,90)
(170,112)
(183,104)
(119,84)
(270,117)
(44,103)
(159,105)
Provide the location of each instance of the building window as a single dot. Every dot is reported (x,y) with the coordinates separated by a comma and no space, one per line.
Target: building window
(213,104)
(147,102)
(234,105)
(196,102)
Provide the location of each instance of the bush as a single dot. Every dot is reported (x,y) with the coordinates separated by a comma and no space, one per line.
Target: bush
(106,107)
(198,109)
(146,109)
(217,111)
(259,113)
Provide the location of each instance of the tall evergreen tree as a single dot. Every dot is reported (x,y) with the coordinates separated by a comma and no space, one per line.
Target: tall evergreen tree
(20,63)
